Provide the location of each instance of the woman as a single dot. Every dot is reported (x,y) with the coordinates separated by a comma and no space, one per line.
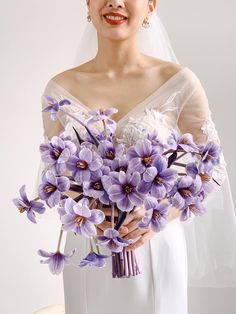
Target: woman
(148,92)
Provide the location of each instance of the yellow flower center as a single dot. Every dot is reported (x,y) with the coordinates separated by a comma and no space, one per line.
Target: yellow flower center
(22,209)
(185,192)
(158,180)
(156,215)
(192,208)
(147,160)
(56,152)
(82,164)
(205,177)
(49,188)
(209,157)
(97,185)
(128,189)
(79,220)
(110,154)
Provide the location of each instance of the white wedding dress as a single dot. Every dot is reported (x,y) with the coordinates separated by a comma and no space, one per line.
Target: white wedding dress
(166,265)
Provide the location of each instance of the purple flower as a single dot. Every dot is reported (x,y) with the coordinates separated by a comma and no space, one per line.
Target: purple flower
(156,214)
(124,191)
(23,204)
(83,163)
(141,155)
(204,171)
(57,152)
(56,260)
(94,259)
(194,206)
(156,141)
(108,151)
(78,217)
(185,190)
(119,164)
(96,187)
(158,179)
(99,135)
(51,188)
(54,106)
(103,115)
(112,241)
(210,153)
(183,142)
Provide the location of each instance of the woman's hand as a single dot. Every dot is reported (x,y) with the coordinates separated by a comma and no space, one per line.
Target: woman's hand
(140,236)
(129,228)
(107,224)
(143,235)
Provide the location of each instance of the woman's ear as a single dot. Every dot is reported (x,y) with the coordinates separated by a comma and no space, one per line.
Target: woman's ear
(152,5)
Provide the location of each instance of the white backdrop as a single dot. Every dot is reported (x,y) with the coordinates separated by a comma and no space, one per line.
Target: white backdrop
(37,42)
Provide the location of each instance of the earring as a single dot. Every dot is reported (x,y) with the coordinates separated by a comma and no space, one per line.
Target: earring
(88,17)
(145,22)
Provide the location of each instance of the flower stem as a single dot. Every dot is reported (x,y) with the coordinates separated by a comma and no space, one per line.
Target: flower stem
(124,264)
(91,244)
(75,188)
(105,127)
(184,153)
(168,151)
(112,214)
(179,164)
(59,241)
(80,122)
(96,245)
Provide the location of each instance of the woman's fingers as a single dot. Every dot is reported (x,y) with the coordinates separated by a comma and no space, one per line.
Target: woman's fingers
(104,225)
(107,211)
(133,220)
(131,227)
(143,239)
(107,224)
(137,214)
(99,231)
(134,234)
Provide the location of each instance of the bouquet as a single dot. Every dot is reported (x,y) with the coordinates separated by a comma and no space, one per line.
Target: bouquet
(106,174)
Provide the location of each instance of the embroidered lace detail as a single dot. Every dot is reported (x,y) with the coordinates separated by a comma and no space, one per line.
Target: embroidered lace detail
(137,128)
(167,105)
(149,120)
(220,172)
(208,128)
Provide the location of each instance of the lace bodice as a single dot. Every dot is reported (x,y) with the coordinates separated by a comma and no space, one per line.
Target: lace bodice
(179,103)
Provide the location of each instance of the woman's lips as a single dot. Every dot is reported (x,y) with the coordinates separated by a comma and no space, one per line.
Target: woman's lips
(114,22)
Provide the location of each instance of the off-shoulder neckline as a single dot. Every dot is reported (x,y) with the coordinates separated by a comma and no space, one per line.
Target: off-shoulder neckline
(136,107)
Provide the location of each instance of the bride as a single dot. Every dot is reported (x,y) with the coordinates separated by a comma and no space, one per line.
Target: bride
(154,91)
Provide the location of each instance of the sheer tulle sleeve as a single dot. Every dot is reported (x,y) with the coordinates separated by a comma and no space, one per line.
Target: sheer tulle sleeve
(210,238)
(195,118)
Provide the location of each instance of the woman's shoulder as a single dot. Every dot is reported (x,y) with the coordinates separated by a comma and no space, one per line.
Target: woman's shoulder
(188,74)
(64,78)
(69,76)
(170,68)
